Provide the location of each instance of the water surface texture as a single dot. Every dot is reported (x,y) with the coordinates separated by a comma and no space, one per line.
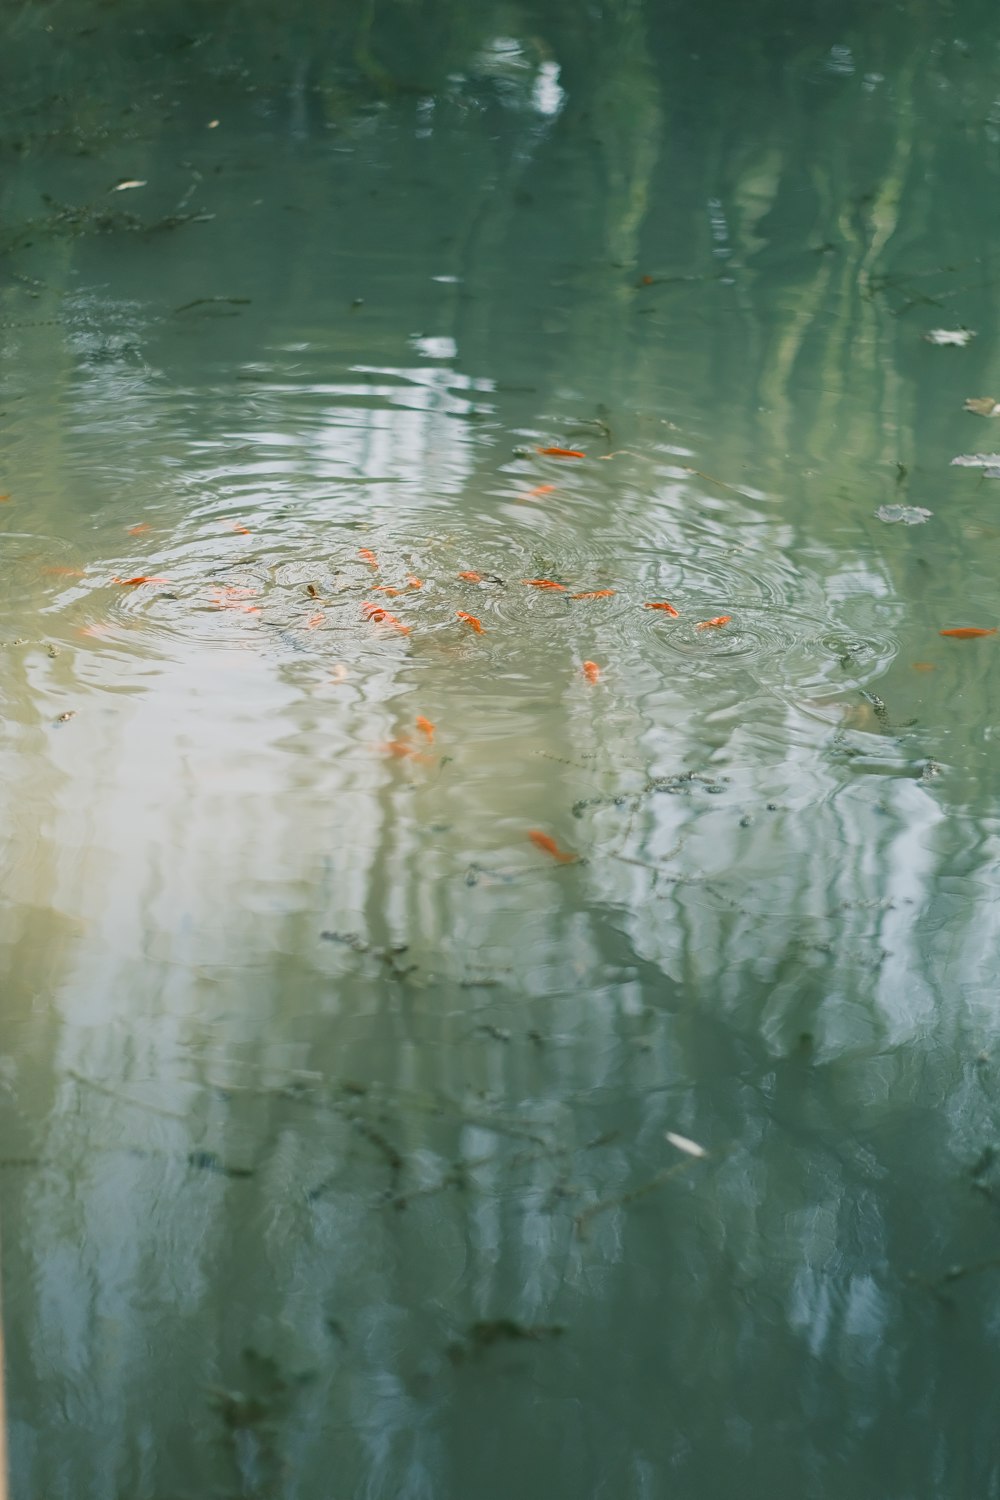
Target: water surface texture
(357,1145)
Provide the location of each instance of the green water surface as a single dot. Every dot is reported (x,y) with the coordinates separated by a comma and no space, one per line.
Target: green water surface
(353,1146)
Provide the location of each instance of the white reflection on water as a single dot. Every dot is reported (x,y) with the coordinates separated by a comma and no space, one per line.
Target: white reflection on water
(335,1109)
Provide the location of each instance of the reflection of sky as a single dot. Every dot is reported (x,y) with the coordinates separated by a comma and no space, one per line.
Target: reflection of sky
(796,981)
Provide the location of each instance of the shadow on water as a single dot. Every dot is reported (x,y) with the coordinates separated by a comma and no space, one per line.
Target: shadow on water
(556,1056)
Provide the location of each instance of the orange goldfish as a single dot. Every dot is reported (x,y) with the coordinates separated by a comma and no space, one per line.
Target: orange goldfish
(366,554)
(380,616)
(61,572)
(386,588)
(404,751)
(414,583)
(235,526)
(138,530)
(714,623)
(471,576)
(968,632)
(591,671)
(561,452)
(668,609)
(549,846)
(426,727)
(471,621)
(314,621)
(542,583)
(598,594)
(130,583)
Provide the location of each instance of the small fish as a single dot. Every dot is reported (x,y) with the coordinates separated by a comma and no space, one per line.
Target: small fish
(139,530)
(380,616)
(60,572)
(968,632)
(65,718)
(549,846)
(539,489)
(5,499)
(426,727)
(130,182)
(368,556)
(668,609)
(98,631)
(131,583)
(543,583)
(714,623)
(235,526)
(561,452)
(591,671)
(339,673)
(471,621)
(598,594)
(404,751)
(386,588)
(924,666)
(315,621)
(471,576)
(312,591)
(414,583)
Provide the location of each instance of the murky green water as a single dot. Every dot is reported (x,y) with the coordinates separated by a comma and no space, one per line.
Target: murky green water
(335,1109)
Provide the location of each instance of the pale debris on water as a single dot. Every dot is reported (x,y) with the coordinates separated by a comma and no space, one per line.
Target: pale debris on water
(683,1143)
(910,515)
(985,461)
(130,182)
(957,337)
(983,406)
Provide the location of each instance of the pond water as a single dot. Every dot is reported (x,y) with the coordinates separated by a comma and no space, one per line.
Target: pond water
(430,1067)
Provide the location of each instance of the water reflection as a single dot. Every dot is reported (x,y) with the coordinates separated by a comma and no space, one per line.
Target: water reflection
(336,1110)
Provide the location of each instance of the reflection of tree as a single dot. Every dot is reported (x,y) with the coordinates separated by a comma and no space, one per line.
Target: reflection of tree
(269,1197)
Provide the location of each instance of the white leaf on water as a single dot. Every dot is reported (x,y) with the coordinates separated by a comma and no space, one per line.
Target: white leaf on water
(976,461)
(910,515)
(684,1144)
(958,337)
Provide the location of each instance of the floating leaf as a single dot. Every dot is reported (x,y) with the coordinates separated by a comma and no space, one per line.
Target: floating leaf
(983,406)
(976,461)
(910,515)
(957,337)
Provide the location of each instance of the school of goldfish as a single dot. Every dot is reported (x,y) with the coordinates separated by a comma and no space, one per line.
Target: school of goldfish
(233,597)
